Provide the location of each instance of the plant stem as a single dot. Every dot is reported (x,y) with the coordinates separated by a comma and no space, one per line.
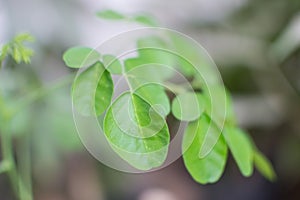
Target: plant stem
(24,160)
(21,184)
(7,151)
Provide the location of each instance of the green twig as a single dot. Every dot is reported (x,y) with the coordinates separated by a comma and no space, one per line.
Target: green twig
(24,165)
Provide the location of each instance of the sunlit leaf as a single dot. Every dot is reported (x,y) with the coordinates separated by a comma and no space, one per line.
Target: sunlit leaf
(137,132)
(78,57)
(210,168)
(241,149)
(4,52)
(92,90)
(17,49)
(264,166)
(24,37)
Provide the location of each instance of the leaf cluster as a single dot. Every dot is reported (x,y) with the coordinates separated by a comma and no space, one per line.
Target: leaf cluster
(17,49)
(135,122)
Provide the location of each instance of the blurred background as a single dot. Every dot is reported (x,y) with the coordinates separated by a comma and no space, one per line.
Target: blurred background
(256,46)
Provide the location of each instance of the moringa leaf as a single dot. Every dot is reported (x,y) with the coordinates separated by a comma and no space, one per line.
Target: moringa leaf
(216,107)
(241,148)
(137,132)
(112,64)
(78,57)
(145,20)
(144,72)
(188,106)
(92,90)
(110,14)
(136,117)
(156,96)
(17,49)
(264,166)
(153,49)
(210,168)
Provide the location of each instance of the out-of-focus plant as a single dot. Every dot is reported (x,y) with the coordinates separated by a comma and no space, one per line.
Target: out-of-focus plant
(30,127)
(132,119)
(20,178)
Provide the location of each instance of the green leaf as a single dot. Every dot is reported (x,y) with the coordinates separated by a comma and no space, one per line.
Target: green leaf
(154,61)
(23,37)
(144,71)
(241,148)
(223,106)
(17,49)
(218,105)
(92,90)
(78,57)
(210,168)
(17,55)
(112,64)
(153,49)
(188,106)
(217,108)
(4,52)
(146,20)
(137,132)
(189,54)
(194,60)
(110,14)
(156,96)
(264,166)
